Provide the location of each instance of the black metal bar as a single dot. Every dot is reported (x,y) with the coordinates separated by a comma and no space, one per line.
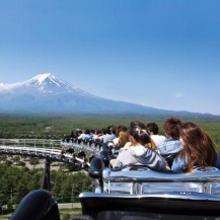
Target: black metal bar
(46,176)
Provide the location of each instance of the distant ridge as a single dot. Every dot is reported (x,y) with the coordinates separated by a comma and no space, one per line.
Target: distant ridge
(45,93)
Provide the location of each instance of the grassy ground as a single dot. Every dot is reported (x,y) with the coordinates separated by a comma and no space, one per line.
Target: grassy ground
(65,214)
(4,217)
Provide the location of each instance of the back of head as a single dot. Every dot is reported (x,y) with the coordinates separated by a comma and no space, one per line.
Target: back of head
(152,128)
(139,124)
(104,132)
(171,127)
(98,132)
(109,129)
(197,145)
(87,131)
(121,128)
(114,130)
(140,135)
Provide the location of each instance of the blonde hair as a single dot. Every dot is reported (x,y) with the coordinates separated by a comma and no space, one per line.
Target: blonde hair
(151,145)
(124,137)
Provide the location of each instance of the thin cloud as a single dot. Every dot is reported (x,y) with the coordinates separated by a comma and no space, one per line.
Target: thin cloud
(178,95)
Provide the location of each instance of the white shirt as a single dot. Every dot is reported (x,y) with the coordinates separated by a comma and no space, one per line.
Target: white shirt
(137,150)
(158,139)
(115,141)
(128,156)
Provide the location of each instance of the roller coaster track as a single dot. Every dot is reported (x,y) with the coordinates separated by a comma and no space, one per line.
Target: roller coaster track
(41,148)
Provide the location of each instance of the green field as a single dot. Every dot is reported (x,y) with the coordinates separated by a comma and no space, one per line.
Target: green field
(55,127)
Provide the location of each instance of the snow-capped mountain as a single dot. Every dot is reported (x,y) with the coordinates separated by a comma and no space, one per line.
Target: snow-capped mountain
(45,93)
(42,84)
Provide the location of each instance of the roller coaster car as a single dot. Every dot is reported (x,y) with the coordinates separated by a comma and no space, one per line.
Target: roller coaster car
(139,193)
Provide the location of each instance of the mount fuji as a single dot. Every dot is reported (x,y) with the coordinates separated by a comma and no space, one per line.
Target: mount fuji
(42,84)
(45,93)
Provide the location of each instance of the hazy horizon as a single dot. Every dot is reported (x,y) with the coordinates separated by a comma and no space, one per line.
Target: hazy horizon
(163,54)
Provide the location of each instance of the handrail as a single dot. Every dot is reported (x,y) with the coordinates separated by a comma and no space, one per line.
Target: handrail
(210,174)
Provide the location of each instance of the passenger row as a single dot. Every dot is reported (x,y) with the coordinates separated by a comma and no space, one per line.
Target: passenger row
(184,147)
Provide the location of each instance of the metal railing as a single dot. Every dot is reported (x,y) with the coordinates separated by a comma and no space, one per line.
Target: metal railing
(45,143)
(42,148)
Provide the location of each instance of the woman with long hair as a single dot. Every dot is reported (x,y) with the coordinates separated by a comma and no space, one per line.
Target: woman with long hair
(198,149)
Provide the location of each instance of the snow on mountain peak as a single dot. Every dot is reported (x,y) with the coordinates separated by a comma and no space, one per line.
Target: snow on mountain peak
(47,83)
(46,78)
(42,77)
(44,83)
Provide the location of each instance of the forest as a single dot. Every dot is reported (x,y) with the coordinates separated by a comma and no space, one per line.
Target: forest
(16,180)
(56,127)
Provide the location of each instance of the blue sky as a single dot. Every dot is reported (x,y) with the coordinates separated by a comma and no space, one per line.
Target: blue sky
(160,53)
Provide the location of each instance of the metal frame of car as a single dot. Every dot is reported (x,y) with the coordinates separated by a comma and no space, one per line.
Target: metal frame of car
(140,193)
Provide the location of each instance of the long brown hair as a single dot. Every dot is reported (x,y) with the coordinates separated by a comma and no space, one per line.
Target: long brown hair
(198,147)
(171,127)
(124,137)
